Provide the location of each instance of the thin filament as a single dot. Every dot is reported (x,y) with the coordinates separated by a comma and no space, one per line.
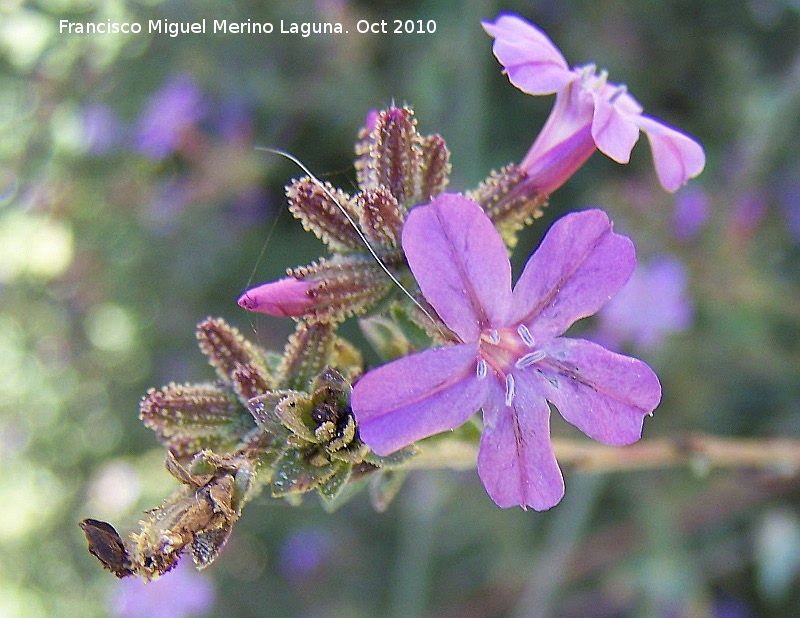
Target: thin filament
(361,235)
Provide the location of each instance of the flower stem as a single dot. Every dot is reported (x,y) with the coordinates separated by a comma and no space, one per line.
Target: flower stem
(701,452)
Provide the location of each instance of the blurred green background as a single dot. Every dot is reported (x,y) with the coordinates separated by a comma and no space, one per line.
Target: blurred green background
(133,204)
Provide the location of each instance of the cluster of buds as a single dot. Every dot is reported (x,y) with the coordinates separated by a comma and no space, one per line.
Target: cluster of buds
(396,169)
(281,421)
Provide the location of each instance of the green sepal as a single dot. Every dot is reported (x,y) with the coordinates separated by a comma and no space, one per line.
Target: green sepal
(292,474)
(383,487)
(227,349)
(355,452)
(201,466)
(332,487)
(188,418)
(385,337)
(308,350)
(242,484)
(321,210)
(262,408)
(417,337)
(350,489)
(510,201)
(393,461)
(294,411)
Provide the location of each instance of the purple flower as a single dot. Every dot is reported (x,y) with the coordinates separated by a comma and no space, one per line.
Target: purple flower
(178,105)
(692,207)
(653,304)
(510,359)
(181,592)
(101,128)
(590,113)
(304,552)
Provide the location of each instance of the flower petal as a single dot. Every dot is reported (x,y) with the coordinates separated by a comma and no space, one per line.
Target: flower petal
(578,267)
(604,394)
(460,263)
(417,396)
(531,60)
(516,461)
(614,133)
(564,143)
(676,156)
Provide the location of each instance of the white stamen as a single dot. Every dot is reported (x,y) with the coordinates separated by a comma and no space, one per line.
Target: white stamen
(494,336)
(529,359)
(525,335)
(510,392)
(482,369)
(587,73)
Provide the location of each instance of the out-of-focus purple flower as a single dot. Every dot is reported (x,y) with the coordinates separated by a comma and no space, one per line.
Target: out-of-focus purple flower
(176,106)
(235,122)
(727,606)
(692,208)
(102,130)
(303,552)
(178,593)
(590,113)
(510,359)
(789,200)
(652,305)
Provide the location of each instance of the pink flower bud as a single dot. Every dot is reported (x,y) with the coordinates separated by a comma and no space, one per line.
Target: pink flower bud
(284,297)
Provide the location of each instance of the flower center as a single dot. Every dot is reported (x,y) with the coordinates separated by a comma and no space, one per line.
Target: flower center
(505,350)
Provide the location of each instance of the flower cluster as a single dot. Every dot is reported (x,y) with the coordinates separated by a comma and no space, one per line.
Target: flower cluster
(428,274)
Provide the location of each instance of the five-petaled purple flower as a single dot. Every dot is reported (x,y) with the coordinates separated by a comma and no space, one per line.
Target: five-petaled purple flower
(510,359)
(590,113)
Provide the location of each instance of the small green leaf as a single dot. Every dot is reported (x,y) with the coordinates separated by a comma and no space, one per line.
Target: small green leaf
(262,409)
(393,461)
(294,411)
(383,488)
(291,473)
(416,336)
(332,487)
(385,337)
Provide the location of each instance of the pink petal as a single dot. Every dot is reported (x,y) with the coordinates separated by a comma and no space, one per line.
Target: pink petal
(578,267)
(564,143)
(460,263)
(417,396)
(284,297)
(533,64)
(604,394)
(614,133)
(677,157)
(516,461)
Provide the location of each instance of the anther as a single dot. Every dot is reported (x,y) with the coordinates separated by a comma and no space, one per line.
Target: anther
(587,73)
(525,335)
(510,391)
(529,359)
(494,336)
(481,370)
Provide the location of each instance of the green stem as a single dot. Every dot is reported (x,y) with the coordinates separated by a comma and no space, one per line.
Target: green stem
(696,450)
